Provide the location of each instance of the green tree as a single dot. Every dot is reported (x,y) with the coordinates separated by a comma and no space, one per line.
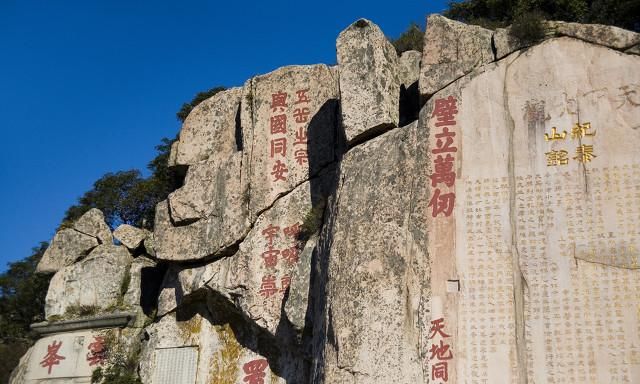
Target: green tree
(197,99)
(126,197)
(500,13)
(22,296)
(411,39)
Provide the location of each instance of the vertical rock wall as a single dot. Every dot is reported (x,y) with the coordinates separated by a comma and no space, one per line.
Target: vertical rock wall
(352,224)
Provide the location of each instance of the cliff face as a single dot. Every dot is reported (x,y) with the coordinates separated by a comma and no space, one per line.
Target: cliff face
(352,224)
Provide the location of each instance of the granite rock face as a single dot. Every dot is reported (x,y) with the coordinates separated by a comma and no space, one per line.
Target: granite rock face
(451,50)
(514,239)
(369,80)
(207,215)
(133,297)
(210,130)
(130,236)
(489,235)
(259,278)
(67,246)
(95,281)
(289,119)
(375,265)
(218,347)
(92,223)
(607,35)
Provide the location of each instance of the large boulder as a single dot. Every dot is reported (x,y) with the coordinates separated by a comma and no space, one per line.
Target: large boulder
(210,131)
(373,272)
(369,83)
(67,246)
(92,223)
(208,216)
(130,236)
(451,50)
(289,120)
(607,35)
(90,285)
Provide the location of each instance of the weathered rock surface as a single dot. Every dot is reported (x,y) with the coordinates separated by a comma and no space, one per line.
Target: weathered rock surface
(635,50)
(150,245)
(92,223)
(180,282)
(213,189)
(209,132)
(134,296)
(289,130)
(373,259)
(208,216)
(607,35)
(95,281)
(451,50)
(297,301)
(130,236)
(369,80)
(67,246)
(409,68)
(224,349)
(259,277)
(75,368)
(497,234)
(504,43)
(514,261)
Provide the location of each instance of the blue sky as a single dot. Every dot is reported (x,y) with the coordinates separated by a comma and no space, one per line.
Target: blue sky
(90,87)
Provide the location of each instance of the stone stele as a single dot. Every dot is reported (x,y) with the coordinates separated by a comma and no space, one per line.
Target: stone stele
(537,255)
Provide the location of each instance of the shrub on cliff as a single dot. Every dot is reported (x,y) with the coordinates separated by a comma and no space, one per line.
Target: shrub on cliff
(411,39)
(500,13)
(197,99)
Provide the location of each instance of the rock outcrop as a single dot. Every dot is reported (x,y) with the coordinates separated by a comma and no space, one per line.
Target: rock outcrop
(375,265)
(130,236)
(71,244)
(369,81)
(451,50)
(95,282)
(466,213)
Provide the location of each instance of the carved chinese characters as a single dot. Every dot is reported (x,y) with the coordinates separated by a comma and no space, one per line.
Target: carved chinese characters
(287,255)
(279,123)
(289,130)
(67,355)
(583,153)
(441,203)
(52,358)
(439,353)
(443,153)
(543,237)
(255,371)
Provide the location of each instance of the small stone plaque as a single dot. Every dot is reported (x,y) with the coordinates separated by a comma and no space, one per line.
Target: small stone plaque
(176,365)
